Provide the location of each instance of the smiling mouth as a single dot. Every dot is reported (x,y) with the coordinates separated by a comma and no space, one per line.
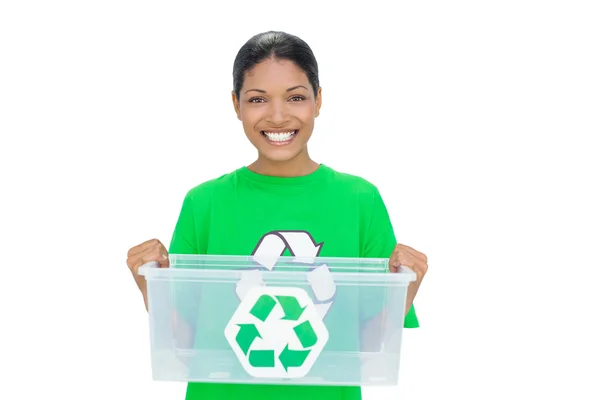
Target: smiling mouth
(280,137)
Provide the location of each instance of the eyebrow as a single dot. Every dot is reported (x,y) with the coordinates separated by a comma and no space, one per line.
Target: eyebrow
(289,90)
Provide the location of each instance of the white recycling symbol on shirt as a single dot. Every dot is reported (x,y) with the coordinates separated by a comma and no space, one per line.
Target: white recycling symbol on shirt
(304,250)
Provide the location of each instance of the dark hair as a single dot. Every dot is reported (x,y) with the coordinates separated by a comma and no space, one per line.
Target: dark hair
(279,46)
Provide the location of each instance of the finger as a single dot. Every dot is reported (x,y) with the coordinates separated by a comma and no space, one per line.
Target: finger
(140,248)
(415,253)
(400,258)
(416,265)
(157,254)
(143,247)
(146,249)
(164,260)
(164,263)
(135,263)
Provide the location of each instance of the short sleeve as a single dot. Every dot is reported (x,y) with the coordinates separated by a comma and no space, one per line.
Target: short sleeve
(184,236)
(379,241)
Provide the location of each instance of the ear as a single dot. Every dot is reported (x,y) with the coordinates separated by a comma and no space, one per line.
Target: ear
(318,102)
(236,105)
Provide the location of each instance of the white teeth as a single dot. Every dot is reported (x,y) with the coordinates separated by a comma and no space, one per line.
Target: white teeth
(280,136)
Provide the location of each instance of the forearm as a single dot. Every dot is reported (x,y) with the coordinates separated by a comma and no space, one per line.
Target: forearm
(410,297)
(145,298)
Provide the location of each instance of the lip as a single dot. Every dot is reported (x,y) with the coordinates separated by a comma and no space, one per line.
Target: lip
(278,130)
(272,143)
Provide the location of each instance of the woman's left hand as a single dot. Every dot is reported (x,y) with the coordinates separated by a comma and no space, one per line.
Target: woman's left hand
(416,261)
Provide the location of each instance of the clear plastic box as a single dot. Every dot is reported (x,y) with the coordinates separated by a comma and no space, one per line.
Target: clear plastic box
(283,320)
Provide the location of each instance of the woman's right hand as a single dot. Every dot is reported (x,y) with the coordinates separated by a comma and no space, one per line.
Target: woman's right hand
(151,250)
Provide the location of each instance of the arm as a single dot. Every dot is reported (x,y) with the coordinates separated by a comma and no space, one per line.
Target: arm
(379,241)
(416,261)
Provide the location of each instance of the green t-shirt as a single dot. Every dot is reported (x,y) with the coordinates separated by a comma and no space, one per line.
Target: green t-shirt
(245,213)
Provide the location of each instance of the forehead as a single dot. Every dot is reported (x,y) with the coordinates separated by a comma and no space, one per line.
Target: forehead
(275,74)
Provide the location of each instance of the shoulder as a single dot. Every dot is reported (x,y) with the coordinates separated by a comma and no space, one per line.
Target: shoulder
(204,190)
(355,183)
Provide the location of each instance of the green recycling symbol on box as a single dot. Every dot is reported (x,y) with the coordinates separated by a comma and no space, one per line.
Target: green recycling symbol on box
(276,332)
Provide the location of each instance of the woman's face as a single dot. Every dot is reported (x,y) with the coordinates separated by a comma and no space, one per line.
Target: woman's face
(277,107)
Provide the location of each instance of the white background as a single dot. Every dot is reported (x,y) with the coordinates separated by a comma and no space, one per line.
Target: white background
(478,120)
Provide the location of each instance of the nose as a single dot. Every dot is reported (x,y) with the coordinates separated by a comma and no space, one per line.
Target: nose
(277,113)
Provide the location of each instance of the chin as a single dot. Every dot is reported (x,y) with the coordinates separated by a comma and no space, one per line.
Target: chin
(280,156)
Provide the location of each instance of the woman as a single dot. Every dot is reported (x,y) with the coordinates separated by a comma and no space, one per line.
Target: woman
(282,197)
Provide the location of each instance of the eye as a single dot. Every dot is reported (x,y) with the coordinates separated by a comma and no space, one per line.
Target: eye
(256,100)
(297,98)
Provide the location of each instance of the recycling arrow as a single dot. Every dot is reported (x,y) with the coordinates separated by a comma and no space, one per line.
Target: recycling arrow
(305,249)
(306,334)
(246,336)
(262,358)
(291,307)
(263,307)
(267,252)
(292,358)
(272,245)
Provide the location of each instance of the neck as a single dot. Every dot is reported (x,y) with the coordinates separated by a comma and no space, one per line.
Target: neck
(299,166)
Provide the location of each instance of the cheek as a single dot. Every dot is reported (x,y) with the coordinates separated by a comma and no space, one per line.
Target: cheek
(249,118)
(307,114)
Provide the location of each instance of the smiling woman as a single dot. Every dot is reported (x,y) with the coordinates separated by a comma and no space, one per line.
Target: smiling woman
(277,97)
(326,213)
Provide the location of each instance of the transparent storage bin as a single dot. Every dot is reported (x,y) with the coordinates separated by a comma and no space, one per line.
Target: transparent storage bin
(283,320)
